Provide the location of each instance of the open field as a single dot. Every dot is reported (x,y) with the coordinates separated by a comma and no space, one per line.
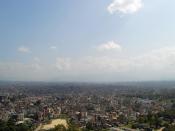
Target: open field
(53,123)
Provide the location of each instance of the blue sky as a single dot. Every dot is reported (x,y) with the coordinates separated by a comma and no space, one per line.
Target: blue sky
(92,40)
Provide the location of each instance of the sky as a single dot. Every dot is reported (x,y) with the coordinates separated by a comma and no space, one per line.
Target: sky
(87,40)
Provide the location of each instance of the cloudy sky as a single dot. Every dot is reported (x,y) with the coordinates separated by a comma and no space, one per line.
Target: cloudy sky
(87,40)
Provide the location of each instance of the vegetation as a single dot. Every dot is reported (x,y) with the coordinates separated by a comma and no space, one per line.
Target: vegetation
(11,126)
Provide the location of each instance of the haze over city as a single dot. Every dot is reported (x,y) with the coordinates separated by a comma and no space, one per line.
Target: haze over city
(93,40)
(87,65)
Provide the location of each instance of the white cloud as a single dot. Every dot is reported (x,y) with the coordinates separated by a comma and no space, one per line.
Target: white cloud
(125,6)
(36,66)
(36,59)
(111,45)
(156,64)
(23,49)
(53,47)
(63,64)
(158,59)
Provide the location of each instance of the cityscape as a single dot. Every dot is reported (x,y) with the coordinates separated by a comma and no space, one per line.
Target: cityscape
(87,65)
(39,106)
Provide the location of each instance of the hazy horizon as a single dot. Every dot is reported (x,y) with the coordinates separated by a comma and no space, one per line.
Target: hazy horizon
(87,41)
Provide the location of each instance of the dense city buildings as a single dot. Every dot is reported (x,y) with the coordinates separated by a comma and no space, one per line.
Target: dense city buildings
(121,106)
